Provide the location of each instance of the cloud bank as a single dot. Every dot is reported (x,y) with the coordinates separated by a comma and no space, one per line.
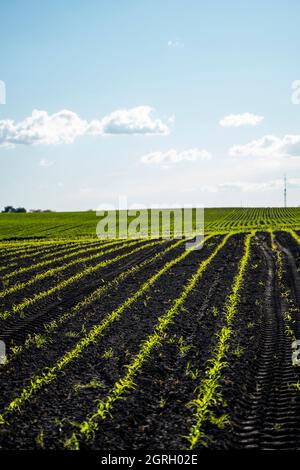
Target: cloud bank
(238,120)
(65,126)
(172,156)
(269,146)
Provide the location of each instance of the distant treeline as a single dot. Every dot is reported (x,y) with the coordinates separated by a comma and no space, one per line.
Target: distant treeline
(14,210)
(11,209)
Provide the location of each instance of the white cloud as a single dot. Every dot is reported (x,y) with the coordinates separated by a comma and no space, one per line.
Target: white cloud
(238,120)
(174,43)
(42,128)
(45,163)
(269,146)
(137,120)
(65,126)
(172,156)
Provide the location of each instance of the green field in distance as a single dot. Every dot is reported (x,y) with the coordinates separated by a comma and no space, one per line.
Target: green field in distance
(83,224)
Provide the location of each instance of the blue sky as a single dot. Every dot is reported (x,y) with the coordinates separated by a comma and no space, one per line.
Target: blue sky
(163,102)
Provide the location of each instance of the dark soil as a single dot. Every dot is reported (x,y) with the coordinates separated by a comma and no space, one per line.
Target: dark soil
(258,396)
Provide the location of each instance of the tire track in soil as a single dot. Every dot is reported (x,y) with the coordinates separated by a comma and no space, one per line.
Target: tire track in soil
(286,239)
(271,408)
(294,280)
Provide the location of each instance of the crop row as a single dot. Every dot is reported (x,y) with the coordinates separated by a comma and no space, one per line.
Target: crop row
(53,271)
(291,311)
(244,219)
(88,427)
(15,247)
(39,339)
(79,250)
(13,254)
(209,393)
(18,308)
(49,374)
(17,259)
(43,252)
(294,235)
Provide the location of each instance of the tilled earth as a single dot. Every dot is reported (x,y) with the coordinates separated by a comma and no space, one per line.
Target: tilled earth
(260,386)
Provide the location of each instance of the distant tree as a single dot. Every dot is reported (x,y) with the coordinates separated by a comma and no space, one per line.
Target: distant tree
(8,209)
(20,209)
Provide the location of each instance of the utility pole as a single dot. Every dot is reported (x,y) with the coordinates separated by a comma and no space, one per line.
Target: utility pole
(284,192)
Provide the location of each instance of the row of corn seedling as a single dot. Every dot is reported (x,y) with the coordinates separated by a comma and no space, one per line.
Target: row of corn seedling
(209,393)
(51,373)
(18,308)
(41,339)
(88,428)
